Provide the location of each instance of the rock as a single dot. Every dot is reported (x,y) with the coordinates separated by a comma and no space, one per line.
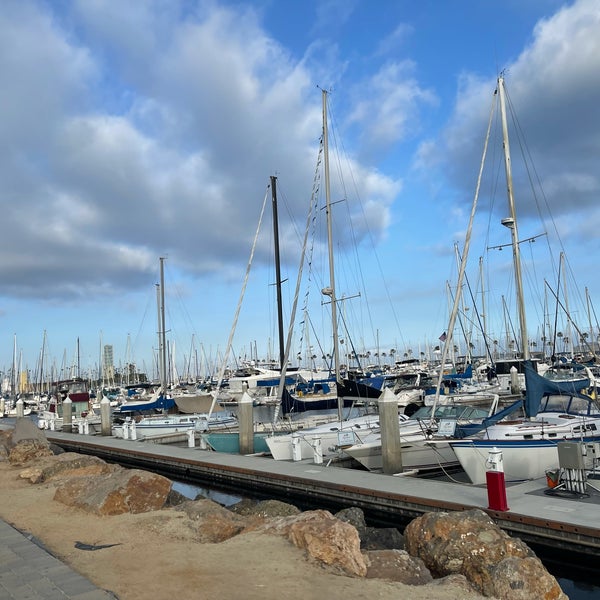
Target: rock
(245,506)
(522,579)
(355,516)
(371,538)
(175,498)
(66,466)
(214,523)
(266,509)
(381,538)
(118,492)
(471,544)
(397,565)
(324,537)
(26,429)
(28,450)
(455,581)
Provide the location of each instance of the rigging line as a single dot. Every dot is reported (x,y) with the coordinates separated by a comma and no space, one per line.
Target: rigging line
(479,323)
(315,194)
(556,315)
(530,167)
(463,265)
(376,255)
(238,308)
(577,330)
(288,344)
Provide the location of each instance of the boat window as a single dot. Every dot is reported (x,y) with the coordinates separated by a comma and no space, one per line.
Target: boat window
(556,403)
(579,406)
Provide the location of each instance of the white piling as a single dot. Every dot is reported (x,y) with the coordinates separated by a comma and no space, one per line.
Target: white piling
(20,408)
(391,451)
(132,432)
(191,438)
(125,430)
(296,447)
(105,421)
(246,424)
(317,447)
(86,427)
(80,427)
(67,406)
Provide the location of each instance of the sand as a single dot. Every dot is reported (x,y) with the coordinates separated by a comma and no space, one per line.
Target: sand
(157,557)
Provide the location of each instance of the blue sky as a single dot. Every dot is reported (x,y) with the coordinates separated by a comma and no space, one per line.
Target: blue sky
(136,130)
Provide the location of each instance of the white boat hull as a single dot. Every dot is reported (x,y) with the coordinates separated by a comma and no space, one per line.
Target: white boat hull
(419,454)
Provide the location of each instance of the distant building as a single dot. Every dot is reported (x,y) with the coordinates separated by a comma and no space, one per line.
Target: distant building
(108,363)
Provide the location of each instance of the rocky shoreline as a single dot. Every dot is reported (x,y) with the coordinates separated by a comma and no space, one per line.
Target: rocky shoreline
(439,555)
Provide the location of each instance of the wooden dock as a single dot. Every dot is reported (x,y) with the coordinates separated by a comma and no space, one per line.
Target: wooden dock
(548,520)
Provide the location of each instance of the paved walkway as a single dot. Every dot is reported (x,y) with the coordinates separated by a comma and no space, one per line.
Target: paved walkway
(29,572)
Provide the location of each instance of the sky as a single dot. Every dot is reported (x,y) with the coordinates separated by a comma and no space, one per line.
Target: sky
(140,130)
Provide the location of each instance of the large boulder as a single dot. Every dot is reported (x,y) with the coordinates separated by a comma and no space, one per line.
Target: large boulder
(26,429)
(266,509)
(396,565)
(66,466)
(120,491)
(471,544)
(371,538)
(26,451)
(325,538)
(212,522)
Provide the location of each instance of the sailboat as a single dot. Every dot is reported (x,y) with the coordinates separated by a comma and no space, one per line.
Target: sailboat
(555,411)
(156,420)
(160,400)
(333,433)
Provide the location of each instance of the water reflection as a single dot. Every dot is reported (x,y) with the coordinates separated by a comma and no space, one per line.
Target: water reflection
(192,491)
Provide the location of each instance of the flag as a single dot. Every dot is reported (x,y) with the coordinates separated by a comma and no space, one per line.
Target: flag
(443,337)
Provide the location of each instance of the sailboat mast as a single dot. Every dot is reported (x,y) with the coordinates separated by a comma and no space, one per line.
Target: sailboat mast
(511,223)
(277,269)
(162,346)
(330,291)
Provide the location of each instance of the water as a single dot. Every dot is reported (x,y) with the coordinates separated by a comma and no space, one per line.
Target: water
(191,491)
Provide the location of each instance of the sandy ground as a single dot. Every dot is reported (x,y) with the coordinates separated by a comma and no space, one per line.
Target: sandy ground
(157,556)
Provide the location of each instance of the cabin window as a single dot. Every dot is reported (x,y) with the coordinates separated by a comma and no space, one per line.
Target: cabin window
(556,404)
(579,406)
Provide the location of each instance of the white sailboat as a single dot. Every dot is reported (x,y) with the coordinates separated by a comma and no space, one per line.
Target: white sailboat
(554,410)
(335,433)
(161,401)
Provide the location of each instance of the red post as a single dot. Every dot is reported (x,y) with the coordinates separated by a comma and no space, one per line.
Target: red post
(496,486)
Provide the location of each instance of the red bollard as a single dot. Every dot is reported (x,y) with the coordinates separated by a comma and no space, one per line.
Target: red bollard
(494,478)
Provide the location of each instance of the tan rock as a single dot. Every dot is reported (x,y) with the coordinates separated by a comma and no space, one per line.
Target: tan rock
(324,537)
(212,522)
(471,544)
(28,450)
(524,579)
(121,491)
(396,565)
(66,466)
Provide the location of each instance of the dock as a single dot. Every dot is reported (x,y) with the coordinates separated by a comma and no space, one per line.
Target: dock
(556,521)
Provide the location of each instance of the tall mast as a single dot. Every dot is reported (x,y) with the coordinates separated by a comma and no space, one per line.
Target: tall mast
(277,269)
(330,291)
(162,346)
(511,223)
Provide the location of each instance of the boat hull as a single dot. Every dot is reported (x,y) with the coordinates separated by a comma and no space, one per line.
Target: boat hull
(420,454)
(521,460)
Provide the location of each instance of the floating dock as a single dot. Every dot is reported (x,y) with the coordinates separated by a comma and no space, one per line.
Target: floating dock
(557,521)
